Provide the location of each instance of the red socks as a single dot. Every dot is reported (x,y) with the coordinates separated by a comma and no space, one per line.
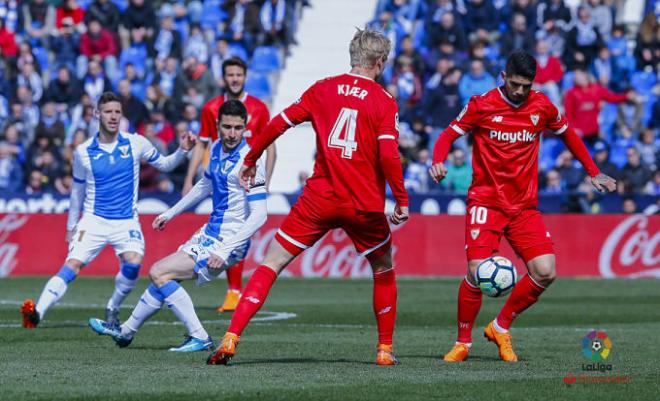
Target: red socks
(469,303)
(385,304)
(524,294)
(235,276)
(253,297)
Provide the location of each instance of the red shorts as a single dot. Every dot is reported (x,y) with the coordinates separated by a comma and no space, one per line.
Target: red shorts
(525,231)
(312,216)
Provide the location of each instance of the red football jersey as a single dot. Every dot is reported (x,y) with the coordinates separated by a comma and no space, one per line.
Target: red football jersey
(506,147)
(350,114)
(258,117)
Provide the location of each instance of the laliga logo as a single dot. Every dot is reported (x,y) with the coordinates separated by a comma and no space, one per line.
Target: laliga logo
(632,243)
(8,250)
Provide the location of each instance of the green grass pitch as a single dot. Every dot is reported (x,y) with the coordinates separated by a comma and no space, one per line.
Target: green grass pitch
(323,346)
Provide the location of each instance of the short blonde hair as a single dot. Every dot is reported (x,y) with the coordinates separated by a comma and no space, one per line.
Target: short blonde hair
(367,47)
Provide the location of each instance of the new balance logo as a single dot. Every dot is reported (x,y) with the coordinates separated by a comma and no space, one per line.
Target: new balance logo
(498,119)
(253,300)
(384,310)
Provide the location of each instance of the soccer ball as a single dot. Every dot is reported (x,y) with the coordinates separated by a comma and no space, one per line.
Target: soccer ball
(496,276)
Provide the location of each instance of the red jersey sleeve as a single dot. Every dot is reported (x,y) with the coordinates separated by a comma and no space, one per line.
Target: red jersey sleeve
(207,130)
(301,110)
(556,122)
(388,150)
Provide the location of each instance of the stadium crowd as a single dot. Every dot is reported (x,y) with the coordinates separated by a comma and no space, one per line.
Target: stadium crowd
(164,58)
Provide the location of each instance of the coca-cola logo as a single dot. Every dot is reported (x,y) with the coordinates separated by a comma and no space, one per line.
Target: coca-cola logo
(8,250)
(631,249)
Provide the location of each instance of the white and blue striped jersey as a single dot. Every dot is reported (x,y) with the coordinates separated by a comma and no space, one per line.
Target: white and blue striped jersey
(237,214)
(110,174)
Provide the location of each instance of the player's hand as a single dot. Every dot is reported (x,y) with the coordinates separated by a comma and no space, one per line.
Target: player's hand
(438,172)
(246,176)
(159,223)
(214,262)
(70,234)
(187,141)
(400,215)
(603,183)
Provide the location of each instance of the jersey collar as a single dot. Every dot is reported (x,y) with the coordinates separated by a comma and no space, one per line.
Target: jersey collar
(359,76)
(242,99)
(95,141)
(506,99)
(235,153)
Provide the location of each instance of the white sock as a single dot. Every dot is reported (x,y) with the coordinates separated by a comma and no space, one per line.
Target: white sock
(182,306)
(123,287)
(150,302)
(53,291)
(499,328)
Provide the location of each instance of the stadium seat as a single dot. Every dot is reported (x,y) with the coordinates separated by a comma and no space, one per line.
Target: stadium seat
(122,4)
(213,14)
(266,59)
(237,50)
(257,85)
(41,55)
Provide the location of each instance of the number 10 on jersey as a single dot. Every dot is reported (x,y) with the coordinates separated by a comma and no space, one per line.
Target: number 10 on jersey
(344,126)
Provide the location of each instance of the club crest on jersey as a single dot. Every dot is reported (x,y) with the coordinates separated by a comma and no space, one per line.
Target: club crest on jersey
(535,118)
(227,167)
(474,233)
(124,151)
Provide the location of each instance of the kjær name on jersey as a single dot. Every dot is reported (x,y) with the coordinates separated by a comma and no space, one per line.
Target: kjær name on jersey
(513,137)
(348,90)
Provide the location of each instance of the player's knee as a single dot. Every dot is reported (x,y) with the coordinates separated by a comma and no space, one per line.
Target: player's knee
(75,265)
(544,273)
(132,257)
(158,274)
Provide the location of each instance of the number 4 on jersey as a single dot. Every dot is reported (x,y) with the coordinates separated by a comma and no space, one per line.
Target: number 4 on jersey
(345,125)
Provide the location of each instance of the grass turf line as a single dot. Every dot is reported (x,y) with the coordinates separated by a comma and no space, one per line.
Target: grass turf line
(327,350)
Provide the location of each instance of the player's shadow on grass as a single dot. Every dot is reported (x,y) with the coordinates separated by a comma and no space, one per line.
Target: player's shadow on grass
(262,361)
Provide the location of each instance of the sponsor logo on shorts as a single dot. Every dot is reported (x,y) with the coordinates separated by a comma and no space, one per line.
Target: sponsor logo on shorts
(135,234)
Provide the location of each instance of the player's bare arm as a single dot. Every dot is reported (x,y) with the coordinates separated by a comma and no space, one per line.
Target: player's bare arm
(603,183)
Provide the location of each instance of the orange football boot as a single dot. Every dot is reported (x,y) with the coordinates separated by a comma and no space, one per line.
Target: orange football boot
(385,355)
(231,301)
(458,353)
(503,341)
(30,315)
(223,354)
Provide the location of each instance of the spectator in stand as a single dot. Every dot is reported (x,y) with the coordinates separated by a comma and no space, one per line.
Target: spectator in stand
(524,7)
(25,56)
(608,72)
(12,138)
(190,116)
(634,175)
(65,46)
(138,53)
(64,90)
(445,50)
(448,29)
(30,78)
(442,104)
(648,147)
(518,36)
(549,72)
(582,42)
(221,53)
(140,14)
(197,76)
(35,183)
(95,82)
(8,46)
(571,174)
(106,12)
(602,159)
(272,16)
(167,42)
(475,82)
(244,23)
(408,84)
(163,129)
(408,50)
(553,13)
(166,76)
(196,45)
(97,44)
(459,172)
(481,15)
(50,125)
(629,205)
(82,118)
(653,187)
(553,183)
(391,29)
(38,20)
(582,105)
(554,37)
(416,178)
(602,17)
(618,43)
(479,51)
(138,86)
(50,168)
(11,171)
(64,182)
(9,14)
(134,110)
(156,100)
(29,110)
(18,119)
(412,138)
(647,49)
(69,14)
